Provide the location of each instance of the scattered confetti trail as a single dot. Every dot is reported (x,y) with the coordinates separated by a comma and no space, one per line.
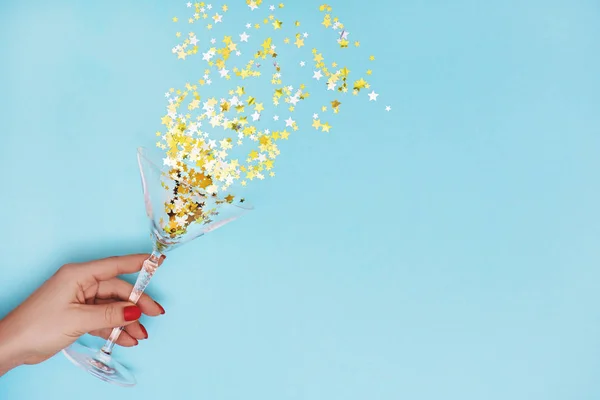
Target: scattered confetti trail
(213,142)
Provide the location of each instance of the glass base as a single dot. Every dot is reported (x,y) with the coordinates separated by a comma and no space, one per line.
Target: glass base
(99,364)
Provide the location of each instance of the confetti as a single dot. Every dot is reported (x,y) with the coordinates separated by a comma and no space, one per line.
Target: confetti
(214,141)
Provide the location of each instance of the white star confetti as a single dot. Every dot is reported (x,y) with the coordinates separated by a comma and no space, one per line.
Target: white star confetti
(234,117)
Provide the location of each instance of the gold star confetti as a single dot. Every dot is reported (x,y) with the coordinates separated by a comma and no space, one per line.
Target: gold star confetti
(214,141)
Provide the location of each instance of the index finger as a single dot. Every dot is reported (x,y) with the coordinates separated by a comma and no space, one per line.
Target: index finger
(110,267)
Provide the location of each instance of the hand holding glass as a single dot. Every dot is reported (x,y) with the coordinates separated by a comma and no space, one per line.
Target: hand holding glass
(161,188)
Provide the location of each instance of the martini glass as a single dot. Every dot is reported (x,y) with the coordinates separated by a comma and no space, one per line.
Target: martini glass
(164,191)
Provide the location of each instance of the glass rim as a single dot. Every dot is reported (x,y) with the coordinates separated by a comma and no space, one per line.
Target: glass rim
(143,152)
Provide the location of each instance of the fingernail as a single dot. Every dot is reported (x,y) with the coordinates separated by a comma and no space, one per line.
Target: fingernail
(162,310)
(144,331)
(131,313)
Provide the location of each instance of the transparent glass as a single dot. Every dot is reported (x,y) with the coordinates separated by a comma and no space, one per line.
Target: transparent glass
(164,189)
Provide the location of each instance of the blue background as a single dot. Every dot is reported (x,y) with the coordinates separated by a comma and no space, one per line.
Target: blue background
(445,250)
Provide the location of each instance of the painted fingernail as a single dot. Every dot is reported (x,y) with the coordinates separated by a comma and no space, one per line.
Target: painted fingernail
(144,331)
(162,310)
(131,313)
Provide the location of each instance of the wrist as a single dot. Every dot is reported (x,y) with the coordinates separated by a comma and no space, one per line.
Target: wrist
(11,352)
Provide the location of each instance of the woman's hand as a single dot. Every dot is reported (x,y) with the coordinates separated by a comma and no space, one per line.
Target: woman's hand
(79,298)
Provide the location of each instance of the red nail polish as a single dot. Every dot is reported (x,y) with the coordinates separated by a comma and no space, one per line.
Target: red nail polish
(144,331)
(131,313)
(162,310)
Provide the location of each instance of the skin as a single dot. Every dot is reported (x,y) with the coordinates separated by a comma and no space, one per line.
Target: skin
(79,298)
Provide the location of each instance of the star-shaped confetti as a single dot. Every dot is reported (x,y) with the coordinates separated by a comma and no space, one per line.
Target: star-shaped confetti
(212,142)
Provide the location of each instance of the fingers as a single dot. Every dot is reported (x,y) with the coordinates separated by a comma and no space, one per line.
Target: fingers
(115,288)
(125,339)
(137,331)
(111,315)
(110,267)
(134,331)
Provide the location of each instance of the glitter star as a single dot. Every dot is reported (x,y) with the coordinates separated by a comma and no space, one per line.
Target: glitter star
(237,112)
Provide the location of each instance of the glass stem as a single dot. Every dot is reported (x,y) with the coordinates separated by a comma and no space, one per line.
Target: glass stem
(148,269)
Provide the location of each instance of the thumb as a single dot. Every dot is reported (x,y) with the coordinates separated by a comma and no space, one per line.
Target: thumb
(110,315)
